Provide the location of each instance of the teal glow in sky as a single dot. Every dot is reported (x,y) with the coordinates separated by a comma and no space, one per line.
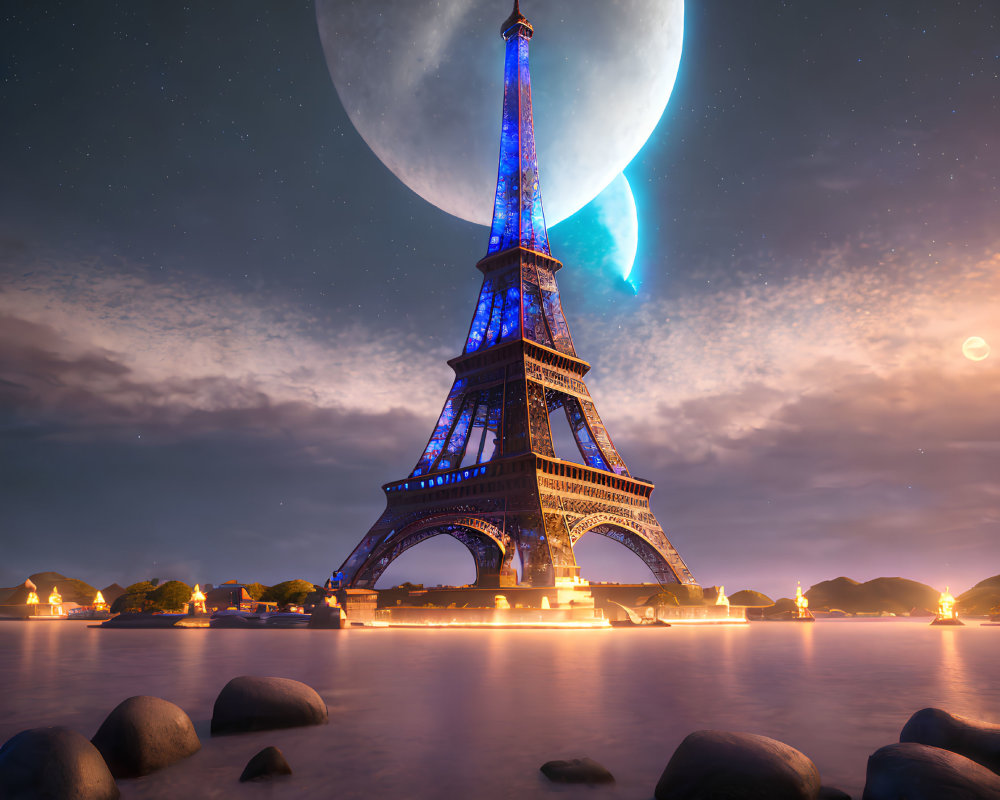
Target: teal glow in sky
(603,237)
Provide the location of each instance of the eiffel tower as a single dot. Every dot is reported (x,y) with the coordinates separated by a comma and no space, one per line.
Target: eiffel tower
(489,476)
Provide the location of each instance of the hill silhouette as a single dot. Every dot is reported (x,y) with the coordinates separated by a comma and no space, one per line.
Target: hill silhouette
(892,595)
(750,598)
(112,592)
(981,599)
(71,589)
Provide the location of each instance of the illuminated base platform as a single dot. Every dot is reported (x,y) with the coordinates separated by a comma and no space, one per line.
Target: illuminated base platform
(423,617)
(702,615)
(193,622)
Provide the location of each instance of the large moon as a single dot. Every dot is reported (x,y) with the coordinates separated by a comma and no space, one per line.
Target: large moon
(422,81)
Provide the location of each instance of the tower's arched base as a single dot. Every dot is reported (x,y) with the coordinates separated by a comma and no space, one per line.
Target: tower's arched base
(528,507)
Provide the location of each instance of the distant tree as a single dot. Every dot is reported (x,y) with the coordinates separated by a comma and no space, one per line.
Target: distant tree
(155,581)
(409,586)
(255,590)
(134,599)
(169,596)
(288,592)
(661,599)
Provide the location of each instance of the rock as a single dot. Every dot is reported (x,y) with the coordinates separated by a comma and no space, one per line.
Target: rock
(249,703)
(144,734)
(832,793)
(911,771)
(54,764)
(737,766)
(577,770)
(268,763)
(971,738)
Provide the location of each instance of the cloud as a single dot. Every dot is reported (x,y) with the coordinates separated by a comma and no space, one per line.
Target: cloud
(827,423)
(804,335)
(128,347)
(831,419)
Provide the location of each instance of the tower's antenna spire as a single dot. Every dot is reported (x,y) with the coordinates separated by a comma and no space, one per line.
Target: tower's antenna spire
(518,220)
(515,18)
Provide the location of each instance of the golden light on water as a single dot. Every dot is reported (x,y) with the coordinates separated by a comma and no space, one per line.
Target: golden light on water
(975,348)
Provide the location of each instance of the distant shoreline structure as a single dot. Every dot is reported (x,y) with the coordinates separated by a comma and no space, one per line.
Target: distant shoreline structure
(840,597)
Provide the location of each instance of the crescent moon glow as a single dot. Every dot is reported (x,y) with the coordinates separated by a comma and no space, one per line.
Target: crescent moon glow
(975,348)
(616,211)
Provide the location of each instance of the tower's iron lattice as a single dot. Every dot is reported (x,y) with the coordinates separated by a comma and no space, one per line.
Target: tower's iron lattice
(489,475)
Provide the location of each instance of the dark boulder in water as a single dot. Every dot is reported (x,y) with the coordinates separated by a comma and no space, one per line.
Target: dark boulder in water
(577,770)
(911,771)
(969,737)
(54,764)
(143,734)
(268,763)
(737,766)
(249,703)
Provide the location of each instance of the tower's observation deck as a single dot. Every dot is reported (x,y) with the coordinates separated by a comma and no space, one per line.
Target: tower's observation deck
(489,475)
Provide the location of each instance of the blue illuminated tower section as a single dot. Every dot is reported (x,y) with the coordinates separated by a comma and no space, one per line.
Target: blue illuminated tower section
(518,219)
(489,475)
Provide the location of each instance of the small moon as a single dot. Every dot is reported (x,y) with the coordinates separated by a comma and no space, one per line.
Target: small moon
(975,348)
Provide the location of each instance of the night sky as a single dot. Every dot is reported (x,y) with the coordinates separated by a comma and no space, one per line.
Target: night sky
(224,323)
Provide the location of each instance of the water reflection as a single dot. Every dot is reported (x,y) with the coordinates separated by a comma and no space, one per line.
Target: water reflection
(954,681)
(430,713)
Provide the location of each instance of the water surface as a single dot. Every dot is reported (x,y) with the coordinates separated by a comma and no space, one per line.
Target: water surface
(474,713)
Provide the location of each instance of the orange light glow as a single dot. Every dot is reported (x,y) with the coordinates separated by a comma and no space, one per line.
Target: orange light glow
(946,605)
(196,605)
(801,602)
